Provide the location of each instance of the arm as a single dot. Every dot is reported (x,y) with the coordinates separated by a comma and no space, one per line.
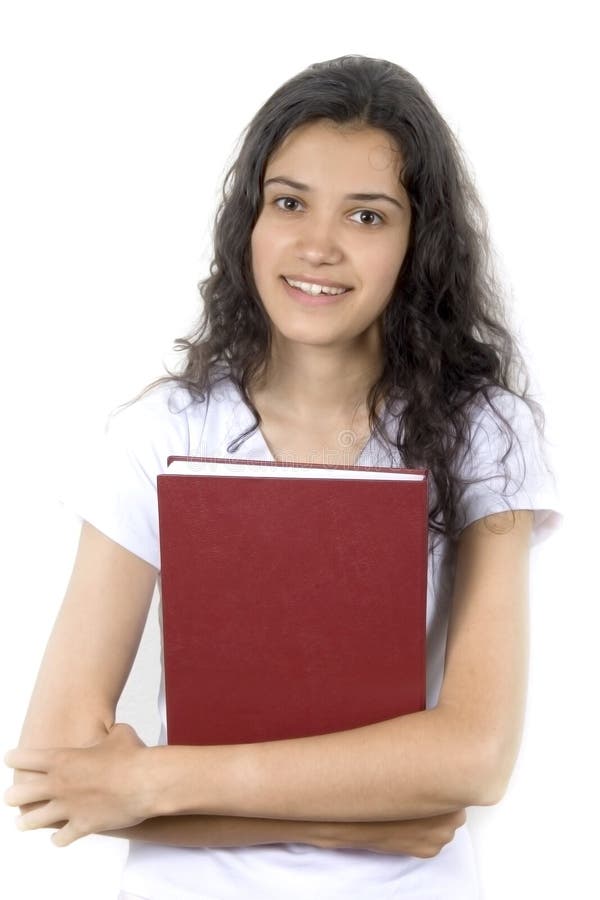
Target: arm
(92,645)
(73,706)
(224,831)
(459,754)
(74,699)
(328,777)
(415,837)
(79,681)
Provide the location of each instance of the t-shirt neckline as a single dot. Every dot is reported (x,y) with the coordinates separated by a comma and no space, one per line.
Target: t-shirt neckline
(261,440)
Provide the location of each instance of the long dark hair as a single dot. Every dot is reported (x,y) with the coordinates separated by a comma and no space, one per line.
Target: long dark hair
(446,342)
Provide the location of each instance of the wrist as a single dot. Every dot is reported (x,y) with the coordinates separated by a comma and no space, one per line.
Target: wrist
(158,777)
(337,835)
(331,835)
(195,780)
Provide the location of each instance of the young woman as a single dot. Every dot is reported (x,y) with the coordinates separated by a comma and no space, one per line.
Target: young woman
(348,179)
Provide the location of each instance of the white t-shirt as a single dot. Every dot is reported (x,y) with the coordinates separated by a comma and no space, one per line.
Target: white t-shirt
(117,494)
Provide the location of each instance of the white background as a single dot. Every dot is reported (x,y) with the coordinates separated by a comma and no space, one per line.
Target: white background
(118,121)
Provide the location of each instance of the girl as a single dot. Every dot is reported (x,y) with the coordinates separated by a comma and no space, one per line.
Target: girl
(349,179)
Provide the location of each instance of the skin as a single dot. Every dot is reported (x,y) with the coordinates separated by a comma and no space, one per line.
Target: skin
(93,778)
(325,358)
(92,775)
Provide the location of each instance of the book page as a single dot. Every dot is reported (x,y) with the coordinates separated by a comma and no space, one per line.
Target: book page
(233,469)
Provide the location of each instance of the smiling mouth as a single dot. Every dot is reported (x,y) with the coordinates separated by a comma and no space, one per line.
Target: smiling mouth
(317,290)
(319,300)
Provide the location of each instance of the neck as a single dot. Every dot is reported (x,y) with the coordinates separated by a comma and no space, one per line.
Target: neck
(317,387)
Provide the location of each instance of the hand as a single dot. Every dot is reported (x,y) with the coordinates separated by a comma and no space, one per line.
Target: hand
(89,789)
(415,837)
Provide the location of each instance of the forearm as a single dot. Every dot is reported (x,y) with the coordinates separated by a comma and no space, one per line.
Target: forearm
(423,764)
(226,831)
(410,836)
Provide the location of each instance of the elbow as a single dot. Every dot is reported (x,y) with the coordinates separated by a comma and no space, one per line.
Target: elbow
(479,766)
(473,770)
(66,728)
(493,770)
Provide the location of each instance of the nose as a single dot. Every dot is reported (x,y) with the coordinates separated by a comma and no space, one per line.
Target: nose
(318,242)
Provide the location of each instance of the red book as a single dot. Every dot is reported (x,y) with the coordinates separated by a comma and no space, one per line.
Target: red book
(293,597)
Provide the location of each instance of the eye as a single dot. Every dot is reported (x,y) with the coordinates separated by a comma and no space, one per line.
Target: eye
(360,212)
(285,198)
(368,212)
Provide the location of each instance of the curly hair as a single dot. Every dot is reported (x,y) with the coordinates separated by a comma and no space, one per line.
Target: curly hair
(446,341)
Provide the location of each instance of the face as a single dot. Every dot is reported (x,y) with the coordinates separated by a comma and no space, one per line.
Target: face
(319,231)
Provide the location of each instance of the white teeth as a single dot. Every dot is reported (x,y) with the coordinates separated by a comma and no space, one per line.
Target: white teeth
(314,289)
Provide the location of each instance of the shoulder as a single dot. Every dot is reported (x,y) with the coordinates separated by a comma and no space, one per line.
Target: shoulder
(497,409)
(164,413)
(164,401)
(505,432)
(505,465)
(168,418)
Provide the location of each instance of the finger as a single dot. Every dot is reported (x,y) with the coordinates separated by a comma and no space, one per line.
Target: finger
(28,792)
(27,807)
(66,835)
(43,817)
(32,760)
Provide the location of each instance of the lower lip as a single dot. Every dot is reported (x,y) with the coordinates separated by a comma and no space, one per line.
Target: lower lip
(308,300)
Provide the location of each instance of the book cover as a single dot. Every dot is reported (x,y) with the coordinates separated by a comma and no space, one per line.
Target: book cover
(293,597)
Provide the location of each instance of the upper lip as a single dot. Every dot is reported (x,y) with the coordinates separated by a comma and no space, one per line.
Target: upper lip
(312,279)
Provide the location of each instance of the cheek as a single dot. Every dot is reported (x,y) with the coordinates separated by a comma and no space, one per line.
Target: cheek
(389,263)
(376,273)
(261,247)
(256,258)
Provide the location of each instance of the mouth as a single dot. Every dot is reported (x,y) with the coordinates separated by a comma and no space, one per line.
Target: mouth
(313,299)
(316,289)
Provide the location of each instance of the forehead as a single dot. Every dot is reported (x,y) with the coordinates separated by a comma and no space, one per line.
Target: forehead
(337,153)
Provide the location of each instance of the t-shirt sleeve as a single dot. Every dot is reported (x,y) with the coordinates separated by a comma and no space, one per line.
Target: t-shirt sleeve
(503,471)
(113,483)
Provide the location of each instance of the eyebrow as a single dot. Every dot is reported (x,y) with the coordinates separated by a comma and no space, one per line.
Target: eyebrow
(298,186)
